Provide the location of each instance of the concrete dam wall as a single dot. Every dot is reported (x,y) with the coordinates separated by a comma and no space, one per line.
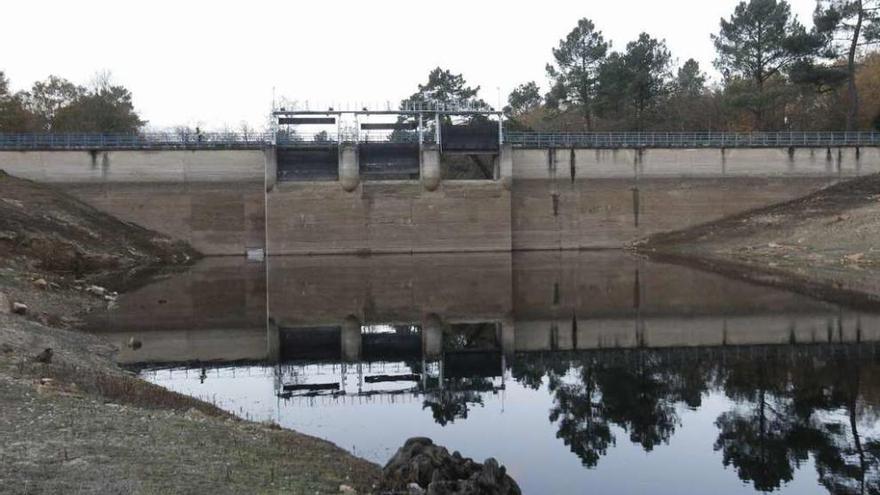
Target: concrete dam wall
(574,199)
(212,199)
(226,201)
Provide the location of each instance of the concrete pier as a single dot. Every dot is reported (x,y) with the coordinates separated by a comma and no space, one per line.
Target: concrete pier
(349,171)
(430,168)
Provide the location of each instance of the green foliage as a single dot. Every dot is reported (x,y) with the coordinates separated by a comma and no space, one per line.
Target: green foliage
(690,80)
(14,117)
(47,97)
(57,105)
(575,69)
(612,82)
(632,86)
(105,108)
(755,42)
(444,87)
(691,105)
(523,99)
(647,63)
(760,42)
(847,26)
(846,20)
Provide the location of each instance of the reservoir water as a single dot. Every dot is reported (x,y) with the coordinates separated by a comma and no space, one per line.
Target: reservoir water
(582,372)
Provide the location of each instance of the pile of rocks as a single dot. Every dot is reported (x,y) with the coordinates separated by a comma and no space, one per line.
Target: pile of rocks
(420,467)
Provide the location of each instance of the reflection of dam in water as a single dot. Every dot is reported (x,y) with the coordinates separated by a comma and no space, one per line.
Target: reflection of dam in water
(459,308)
(572,367)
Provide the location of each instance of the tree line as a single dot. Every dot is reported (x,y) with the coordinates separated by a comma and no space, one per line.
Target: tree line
(58,105)
(777,74)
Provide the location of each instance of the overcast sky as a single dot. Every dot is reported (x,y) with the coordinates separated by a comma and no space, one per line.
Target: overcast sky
(214,63)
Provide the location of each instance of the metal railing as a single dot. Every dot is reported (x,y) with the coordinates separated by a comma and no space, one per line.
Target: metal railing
(599,140)
(151,140)
(612,140)
(319,139)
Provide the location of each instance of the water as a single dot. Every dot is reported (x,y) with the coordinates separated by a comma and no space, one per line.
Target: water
(581,372)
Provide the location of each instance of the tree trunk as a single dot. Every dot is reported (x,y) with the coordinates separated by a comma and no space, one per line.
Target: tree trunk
(588,119)
(852,115)
(759,108)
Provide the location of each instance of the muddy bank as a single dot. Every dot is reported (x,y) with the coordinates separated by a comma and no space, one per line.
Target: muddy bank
(74,421)
(826,244)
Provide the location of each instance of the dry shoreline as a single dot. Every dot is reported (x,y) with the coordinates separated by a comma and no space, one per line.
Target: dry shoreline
(77,422)
(825,245)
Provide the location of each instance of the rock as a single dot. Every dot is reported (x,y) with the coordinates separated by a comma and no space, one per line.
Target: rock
(346,489)
(96,290)
(19,308)
(415,489)
(44,357)
(134,343)
(194,414)
(855,258)
(41,283)
(6,348)
(432,469)
(5,306)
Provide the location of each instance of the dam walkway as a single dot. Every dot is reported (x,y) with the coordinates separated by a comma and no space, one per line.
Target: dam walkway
(517,139)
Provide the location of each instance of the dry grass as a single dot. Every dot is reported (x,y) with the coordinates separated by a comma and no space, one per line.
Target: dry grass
(120,389)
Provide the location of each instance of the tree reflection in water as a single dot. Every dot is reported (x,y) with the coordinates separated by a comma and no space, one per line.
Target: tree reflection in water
(450,404)
(788,408)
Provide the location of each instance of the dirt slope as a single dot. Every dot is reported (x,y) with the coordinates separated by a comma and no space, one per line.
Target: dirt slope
(59,233)
(826,244)
(76,422)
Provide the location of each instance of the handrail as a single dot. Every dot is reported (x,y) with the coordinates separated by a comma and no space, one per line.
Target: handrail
(690,139)
(151,140)
(598,140)
(321,138)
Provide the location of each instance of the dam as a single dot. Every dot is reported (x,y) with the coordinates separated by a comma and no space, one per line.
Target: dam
(416,185)
(456,279)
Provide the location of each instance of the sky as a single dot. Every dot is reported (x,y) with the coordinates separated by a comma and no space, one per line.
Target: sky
(218,63)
